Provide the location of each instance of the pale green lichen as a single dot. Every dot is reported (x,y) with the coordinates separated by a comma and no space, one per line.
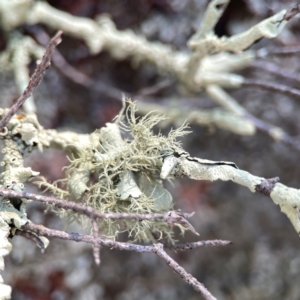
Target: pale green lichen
(122,175)
(20,135)
(288,200)
(5,248)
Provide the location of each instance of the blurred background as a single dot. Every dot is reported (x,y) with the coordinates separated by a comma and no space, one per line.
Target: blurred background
(264,260)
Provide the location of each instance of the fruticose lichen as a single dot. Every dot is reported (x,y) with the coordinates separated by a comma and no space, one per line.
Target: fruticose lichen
(114,174)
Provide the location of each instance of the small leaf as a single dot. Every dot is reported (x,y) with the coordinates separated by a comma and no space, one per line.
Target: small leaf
(154,189)
(128,186)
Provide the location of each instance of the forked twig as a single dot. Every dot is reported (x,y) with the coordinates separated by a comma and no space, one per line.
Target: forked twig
(156,248)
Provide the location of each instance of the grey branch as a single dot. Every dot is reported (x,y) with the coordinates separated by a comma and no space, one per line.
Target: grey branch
(273,131)
(35,79)
(264,52)
(275,87)
(188,278)
(275,69)
(171,217)
(156,248)
(32,237)
(194,245)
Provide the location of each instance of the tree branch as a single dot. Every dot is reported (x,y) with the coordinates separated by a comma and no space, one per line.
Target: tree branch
(35,79)
(194,245)
(188,278)
(275,69)
(32,237)
(274,87)
(264,52)
(171,217)
(275,132)
(156,248)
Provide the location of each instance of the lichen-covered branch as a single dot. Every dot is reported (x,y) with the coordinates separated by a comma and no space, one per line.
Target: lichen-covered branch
(209,64)
(194,245)
(200,169)
(5,248)
(16,58)
(232,106)
(99,35)
(209,117)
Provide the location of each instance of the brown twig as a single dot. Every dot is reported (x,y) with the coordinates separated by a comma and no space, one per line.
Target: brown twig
(292,11)
(275,69)
(188,278)
(152,90)
(264,52)
(72,73)
(269,129)
(171,217)
(32,237)
(275,87)
(35,79)
(157,249)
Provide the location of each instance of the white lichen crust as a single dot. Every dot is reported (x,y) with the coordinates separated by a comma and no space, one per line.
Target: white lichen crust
(5,248)
(288,200)
(20,135)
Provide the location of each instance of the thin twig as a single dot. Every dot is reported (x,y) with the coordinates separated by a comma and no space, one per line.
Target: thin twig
(35,79)
(152,90)
(264,52)
(271,131)
(194,245)
(157,249)
(72,73)
(275,87)
(291,12)
(32,237)
(171,217)
(188,278)
(275,69)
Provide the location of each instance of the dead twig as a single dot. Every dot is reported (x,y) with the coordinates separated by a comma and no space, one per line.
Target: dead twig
(72,73)
(272,131)
(32,237)
(274,69)
(188,278)
(194,245)
(35,79)
(264,52)
(152,90)
(171,217)
(156,248)
(274,87)
(290,13)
